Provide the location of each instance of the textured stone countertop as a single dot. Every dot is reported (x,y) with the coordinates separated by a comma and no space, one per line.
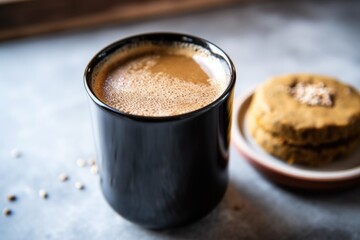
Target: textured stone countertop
(44,113)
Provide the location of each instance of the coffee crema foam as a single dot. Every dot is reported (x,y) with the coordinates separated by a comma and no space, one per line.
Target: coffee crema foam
(159,80)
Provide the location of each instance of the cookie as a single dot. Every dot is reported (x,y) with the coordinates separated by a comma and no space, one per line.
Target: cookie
(308,155)
(306,109)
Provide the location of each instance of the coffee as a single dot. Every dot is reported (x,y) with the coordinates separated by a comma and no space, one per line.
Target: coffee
(151,79)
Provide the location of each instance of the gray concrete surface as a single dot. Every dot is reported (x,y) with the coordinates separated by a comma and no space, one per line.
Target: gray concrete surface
(44,113)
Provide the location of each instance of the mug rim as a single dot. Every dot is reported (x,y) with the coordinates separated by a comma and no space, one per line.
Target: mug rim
(158,37)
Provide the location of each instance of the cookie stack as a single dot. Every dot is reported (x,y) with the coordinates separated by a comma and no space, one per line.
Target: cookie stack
(305,119)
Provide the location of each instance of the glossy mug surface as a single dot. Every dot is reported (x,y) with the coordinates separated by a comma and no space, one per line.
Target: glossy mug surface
(162,171)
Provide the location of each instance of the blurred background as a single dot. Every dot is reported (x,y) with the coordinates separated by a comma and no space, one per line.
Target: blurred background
(28,17)
(44,48)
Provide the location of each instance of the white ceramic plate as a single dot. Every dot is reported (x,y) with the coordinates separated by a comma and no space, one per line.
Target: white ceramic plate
(339,174)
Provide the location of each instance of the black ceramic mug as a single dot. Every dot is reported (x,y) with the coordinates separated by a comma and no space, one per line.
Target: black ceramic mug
(162,172)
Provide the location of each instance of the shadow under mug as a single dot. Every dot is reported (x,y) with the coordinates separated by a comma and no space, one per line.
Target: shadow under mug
(163,172)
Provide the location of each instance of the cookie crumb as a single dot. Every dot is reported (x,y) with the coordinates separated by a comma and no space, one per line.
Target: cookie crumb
(43,194)
(79,186)
(312,94)
(63,177)
(7,211)
(291,160)
(11,198)
(80,162)
(15,153)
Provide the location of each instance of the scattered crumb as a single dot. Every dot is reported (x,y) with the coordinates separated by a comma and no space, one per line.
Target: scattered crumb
(80,162)
(43,194)
(94,169)
(63,177)
(91,162)
(236,207)
(11,198)
(7,211)
(15,153)
(79,186)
